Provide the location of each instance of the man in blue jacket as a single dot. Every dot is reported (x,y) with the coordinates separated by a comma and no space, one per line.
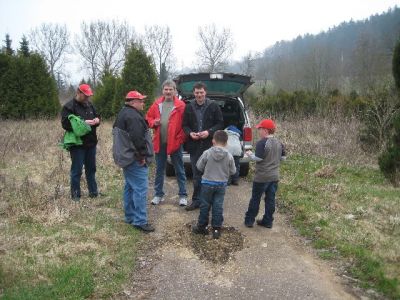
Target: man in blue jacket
(85,154)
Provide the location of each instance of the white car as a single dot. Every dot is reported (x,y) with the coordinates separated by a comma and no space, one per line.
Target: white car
(227,90)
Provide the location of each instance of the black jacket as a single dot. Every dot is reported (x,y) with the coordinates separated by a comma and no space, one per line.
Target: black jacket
(86,111)
(130,120)
(212,121)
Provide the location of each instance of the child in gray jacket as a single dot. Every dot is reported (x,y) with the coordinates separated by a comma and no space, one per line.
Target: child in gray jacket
(217,165)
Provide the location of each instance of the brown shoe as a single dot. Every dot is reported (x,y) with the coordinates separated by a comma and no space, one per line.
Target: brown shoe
(146,228)
(192,206)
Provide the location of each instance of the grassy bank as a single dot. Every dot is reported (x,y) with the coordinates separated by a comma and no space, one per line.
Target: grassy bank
(338,199)
(51,247)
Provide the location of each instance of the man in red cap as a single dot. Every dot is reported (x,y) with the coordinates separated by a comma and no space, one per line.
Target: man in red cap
(85,154)
(133,151)
(268,155)
(165,116)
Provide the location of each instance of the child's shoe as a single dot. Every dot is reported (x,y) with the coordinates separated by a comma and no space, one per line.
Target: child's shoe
(199,230)
(248,224)
(216,233)
(261,223)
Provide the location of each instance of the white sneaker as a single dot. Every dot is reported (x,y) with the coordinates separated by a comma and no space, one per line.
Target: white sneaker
(156,200)
(182,201)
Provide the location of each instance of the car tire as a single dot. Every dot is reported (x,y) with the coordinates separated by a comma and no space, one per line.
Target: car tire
(169,170)
(244,169)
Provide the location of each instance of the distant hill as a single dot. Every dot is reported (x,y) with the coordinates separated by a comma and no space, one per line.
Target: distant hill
(350,56)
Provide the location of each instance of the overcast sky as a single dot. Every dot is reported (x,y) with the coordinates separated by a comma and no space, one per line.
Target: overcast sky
(255,24)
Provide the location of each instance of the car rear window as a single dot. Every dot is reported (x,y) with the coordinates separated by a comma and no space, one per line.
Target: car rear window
(214,87)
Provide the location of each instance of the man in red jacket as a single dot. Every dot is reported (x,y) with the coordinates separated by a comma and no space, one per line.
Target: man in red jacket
(165,117)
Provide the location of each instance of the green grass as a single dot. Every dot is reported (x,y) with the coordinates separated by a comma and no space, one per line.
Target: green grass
(345,213)
(73,281)
(90,255)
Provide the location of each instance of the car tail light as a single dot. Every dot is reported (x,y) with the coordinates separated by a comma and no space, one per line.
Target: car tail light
(247,134)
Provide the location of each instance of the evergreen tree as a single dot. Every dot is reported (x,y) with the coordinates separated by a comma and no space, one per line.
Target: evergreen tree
(105,95)
(8,49)
(389,161)
(138,74)
(27,90)
(163,75)
(24,47)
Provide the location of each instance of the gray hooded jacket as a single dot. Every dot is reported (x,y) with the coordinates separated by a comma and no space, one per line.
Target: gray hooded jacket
(216,164)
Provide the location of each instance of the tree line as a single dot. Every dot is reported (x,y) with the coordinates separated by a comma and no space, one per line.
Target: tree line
(28,89)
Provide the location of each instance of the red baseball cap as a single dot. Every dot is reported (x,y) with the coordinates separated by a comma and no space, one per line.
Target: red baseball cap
(86,90)
(135,95)
(267,124)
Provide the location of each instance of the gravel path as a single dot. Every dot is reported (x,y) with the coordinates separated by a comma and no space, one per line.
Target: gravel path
(246,263)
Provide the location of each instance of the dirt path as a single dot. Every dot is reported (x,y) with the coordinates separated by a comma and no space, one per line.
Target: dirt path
(246,263)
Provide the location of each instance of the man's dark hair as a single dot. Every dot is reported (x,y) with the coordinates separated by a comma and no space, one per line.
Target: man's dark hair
(199,85)
(220,137)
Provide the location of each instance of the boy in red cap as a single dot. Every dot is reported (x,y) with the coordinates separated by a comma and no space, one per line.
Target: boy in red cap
(268,155)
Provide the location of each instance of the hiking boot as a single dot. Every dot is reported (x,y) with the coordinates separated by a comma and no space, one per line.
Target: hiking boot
(261,223)
(216,233)
(146,228)
(192,206)
(182,201)
(199,230)
(156,200)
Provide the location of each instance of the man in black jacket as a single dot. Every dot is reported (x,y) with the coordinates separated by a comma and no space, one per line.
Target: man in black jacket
(86,153)
(133,151)
(202,117)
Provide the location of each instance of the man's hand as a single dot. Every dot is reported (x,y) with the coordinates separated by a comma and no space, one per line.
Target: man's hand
(157,122)
(195,136)
(93,122)
(203,134)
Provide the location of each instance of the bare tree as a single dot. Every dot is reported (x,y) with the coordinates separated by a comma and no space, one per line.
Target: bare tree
(158,41)
(52,41)
(215,48)
(247,64)
(103,45)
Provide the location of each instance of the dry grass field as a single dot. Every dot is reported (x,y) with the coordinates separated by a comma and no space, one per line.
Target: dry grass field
(51,247)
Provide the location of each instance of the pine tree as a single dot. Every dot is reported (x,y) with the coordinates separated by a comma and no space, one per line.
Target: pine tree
(389,161)
(138,74)
(8,49)
(105,95)
(24,47)
(27,90)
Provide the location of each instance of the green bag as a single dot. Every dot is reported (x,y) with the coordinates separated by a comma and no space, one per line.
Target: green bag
(79,126)
(73,138)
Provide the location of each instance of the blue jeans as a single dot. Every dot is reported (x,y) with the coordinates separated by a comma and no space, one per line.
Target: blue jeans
(212,197)
(259,188)
(194,157)
(177,162)
(80,157)
(135,193)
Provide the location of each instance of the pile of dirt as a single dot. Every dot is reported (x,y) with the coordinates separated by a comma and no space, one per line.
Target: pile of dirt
(217,251)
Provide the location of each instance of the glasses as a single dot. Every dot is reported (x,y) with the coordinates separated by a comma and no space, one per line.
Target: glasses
(138,100)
